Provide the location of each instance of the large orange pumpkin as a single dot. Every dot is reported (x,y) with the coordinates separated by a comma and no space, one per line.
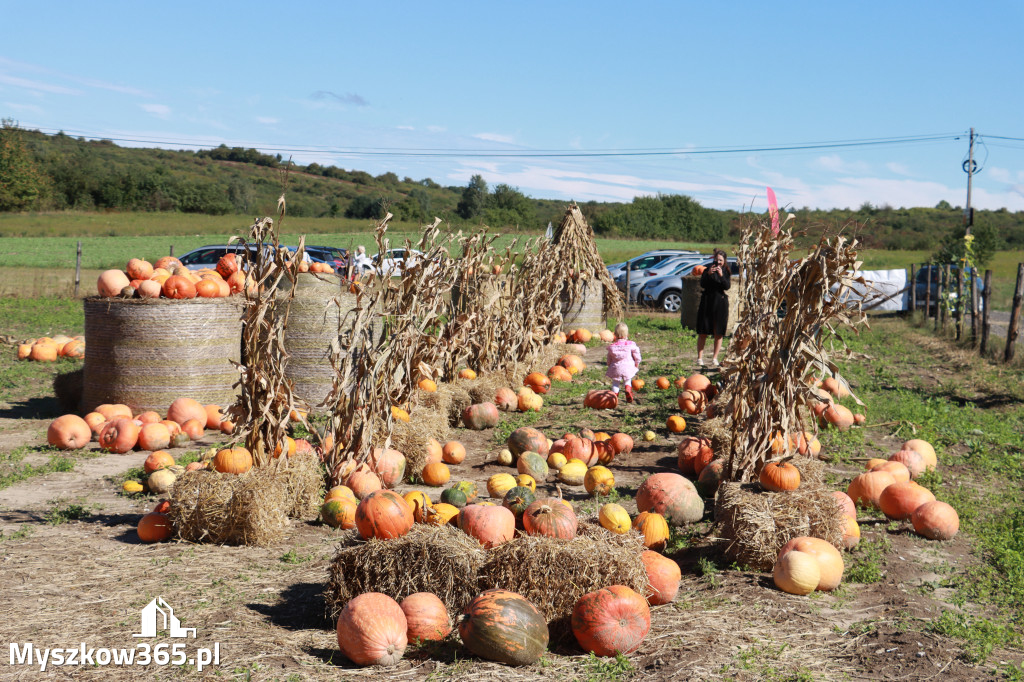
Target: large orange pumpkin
(559,373)
(621,443)
(601,399)
(481,416)
(676,423)
(111,282)
(912,459)
(581,449)
(491,526)
(363,482)
(160,459)
(339,512)
(426,616)
(838,416)
(899,501)
(119,436)
(538,382)
(502,626)
(830,561)
(778,477)
(178,286)
(573,363)
(692,402)
(663,383)
(436,474)
(183,409)
(383,514)
(372,630)
(388,464)
(154,437)
(611,621)
(672,496)
(654,528)
(663,575)
(867,488)
(550,517)
(527,439)
(936,521)
(694,454)
(227,265)
(139,269)
(68,432)
(899,470)
(925,449)
(506,399)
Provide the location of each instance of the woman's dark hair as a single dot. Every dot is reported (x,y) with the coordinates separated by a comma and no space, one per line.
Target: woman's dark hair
(718,252)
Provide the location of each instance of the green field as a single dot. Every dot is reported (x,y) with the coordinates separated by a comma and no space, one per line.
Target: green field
(38,251)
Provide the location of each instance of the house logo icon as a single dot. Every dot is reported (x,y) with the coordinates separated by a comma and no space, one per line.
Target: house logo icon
(158,615)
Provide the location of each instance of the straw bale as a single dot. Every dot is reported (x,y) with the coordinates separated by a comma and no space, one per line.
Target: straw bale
(305,480)
(247,509)
(68,389)
(554,574)
(756,524)
(411,438)
(441,560)
(457,398)
(718,432)
(146,352)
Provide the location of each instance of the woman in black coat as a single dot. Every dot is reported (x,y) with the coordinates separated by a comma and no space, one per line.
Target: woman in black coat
(713,311)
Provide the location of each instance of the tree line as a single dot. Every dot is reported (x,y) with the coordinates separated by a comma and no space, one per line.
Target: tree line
(60,172)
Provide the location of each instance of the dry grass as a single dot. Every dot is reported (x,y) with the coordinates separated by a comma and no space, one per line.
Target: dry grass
(247,509)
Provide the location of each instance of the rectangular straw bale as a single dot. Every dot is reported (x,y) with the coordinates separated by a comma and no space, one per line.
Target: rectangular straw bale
(304,476)
(554,574)
(756,524)
(247,509)
(441,560)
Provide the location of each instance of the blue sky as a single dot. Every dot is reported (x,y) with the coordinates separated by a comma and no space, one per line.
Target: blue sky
(392,80)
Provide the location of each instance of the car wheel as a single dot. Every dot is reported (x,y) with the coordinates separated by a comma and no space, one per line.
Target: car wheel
(671,301)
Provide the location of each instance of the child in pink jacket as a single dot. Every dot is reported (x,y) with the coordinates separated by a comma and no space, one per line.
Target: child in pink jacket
(623,361)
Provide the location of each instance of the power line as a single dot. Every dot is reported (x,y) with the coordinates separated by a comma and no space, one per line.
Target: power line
(553,153)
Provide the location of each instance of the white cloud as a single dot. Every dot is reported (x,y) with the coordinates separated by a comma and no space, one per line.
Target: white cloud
(836,164)
(266,120)
(405,127)
(37,86)
(898,168)
(30,108)
(158,110)
(436,129)
(495,137)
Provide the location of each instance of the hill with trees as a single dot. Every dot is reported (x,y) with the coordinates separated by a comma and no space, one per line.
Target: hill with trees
(40,172)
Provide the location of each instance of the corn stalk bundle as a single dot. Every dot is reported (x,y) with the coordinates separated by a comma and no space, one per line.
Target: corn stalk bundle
(790,307)
(265,401)
(576,254)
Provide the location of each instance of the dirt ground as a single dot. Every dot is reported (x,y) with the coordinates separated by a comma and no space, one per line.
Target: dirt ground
(87,579)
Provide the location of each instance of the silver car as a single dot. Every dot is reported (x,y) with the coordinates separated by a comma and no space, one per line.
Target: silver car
(665,267)
(646,260)
(666,292)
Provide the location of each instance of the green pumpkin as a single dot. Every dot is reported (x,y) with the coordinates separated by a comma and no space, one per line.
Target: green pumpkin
(517,500)
(454,496)
(469,488)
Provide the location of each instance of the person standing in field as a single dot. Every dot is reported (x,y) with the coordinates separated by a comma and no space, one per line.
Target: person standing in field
(623,361)
(713,310)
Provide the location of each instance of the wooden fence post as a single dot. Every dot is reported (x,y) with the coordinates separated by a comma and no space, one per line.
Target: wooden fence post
(960,307)
(943,298)
(985,294)
(928,294)
(1011,331)
(78,267)
(172,249)
(974,308)
(913,292)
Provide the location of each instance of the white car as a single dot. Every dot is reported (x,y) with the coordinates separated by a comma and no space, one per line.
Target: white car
(393,261)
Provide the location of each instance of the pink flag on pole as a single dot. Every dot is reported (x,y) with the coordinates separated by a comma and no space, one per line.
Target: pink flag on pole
(773,210)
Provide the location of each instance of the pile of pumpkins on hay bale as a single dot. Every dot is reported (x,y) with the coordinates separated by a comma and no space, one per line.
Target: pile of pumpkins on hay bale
(49,349)
(117,430)
(169,279)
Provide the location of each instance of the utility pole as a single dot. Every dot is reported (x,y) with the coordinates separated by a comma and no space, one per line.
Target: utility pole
(970,170)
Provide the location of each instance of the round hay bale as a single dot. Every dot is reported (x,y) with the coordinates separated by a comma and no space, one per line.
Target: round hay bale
(146,353)
(692,291)
(756,524)
(588,312)
(314,322)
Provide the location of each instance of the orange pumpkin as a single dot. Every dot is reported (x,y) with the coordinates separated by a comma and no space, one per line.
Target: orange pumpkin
(692,402)
(154,437)
(676,424)
(68,432)
(363,482)
(119,436)
(912,460)
(601,399)
(428,385)
(207,288)
(232,461)
(581,449)
(846,504)
(779,477)
(154,527)
(538,382)
(672,496)
(502,626)
(139,269)
(926,451)
(663,575)
(694,453)
(160,459)
(936,521)
(111,282)
(383,514)
(435,451)
(867,488)
(637,384)
(467,373)
(435,474)
(453,452)
(194,428)
(227,265)
(506,399)
(654,528)
(388,464)
(573,363)
(339,512)
(663,383)
(427,617)
(372,630)
(621,443)
(179,287)
(491,526)
(899,470)
(899,501)
(550,517)
(559,373)
(611,621)
(183,409)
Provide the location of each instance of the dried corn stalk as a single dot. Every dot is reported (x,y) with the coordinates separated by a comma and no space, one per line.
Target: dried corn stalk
(790,307)
(261,412)
(578,257)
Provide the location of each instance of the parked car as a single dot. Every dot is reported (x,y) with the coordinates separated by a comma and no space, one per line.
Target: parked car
(921,283)
(665,267)
(666,292)
(646,260)
(334,256)
(207,256)
(393,261)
